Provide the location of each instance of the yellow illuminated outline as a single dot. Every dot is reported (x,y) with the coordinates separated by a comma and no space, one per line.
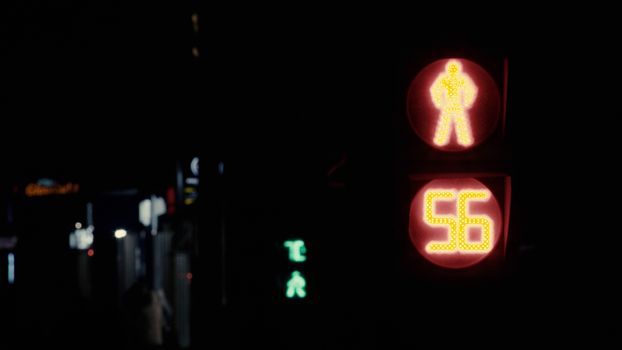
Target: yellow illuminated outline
(458,225)
(453,92)
(432,219)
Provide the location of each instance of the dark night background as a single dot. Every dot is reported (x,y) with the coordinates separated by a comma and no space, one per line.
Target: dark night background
(106,94)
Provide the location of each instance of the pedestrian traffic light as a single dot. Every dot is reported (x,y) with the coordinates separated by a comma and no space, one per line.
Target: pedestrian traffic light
(295,282)
(297,250)
(296,286)
(460,186)
(457,221)
(453,104)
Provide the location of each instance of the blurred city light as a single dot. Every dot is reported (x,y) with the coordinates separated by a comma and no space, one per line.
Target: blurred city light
(81,238)
(145,210)
(194,166)
(11,269)
(120,233)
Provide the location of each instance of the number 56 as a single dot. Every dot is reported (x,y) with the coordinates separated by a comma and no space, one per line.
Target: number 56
(458,225)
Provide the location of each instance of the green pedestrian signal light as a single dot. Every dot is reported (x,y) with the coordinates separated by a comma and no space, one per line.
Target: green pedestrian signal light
(297,250)
(296,286)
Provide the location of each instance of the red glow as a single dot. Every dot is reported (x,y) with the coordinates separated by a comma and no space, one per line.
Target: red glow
(90,252)
(189,276)
(170,200)
(422,233)
(483,115)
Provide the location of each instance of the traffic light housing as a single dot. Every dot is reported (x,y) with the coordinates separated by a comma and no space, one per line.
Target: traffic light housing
(458,163)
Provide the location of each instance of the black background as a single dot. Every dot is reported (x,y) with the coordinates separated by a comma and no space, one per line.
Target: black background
(280,97)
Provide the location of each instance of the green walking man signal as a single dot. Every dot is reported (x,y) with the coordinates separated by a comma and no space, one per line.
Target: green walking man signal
(296,286)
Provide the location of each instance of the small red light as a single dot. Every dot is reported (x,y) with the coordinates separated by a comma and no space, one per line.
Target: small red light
(189,276)
(90,252)
(170,200)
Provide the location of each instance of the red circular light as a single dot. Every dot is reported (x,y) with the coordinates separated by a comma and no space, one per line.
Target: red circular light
(455,223)
(90,252)
(453,104)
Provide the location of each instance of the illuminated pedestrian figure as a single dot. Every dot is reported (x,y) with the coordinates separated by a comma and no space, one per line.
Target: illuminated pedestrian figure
(296,286)
(453,92)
